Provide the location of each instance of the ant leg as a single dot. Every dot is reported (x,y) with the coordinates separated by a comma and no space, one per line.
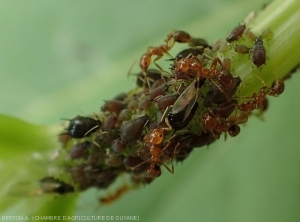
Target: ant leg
(171,171)
(170,40)
(140,164)
(215,63)
(158,66)
(257,76)
(131,67)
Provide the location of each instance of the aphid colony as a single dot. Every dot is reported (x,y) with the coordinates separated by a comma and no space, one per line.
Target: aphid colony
(168,114)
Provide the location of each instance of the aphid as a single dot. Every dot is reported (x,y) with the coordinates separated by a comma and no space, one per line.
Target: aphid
(190,51)
(118,146)
(133,105)
(110,122)
(242,49)
(113,106)
(249,34)
(144,103)
(236,33)
(132,129)
(124,115)
(258,53)
(163,102)
(116,195)
(120,96)
(158,91)
(106,138)
(97,176)
(184,108)
(199,43)
(80,126)
(178,121)
(79,177)
(153,141)
(114,160)
(79,150)
(52,185)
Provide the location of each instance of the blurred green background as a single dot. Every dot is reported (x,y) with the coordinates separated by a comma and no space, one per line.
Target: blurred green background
(63,58)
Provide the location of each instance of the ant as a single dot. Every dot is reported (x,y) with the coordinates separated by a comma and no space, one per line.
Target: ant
(192,66)
(116,195)
(176,36)
(153,140)
(276,89)
(211,122)
(218,94)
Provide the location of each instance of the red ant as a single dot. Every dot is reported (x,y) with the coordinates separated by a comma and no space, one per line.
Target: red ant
(116,195)
(276,89)
(153,141)
(177,36)
(211,122)
(192,66)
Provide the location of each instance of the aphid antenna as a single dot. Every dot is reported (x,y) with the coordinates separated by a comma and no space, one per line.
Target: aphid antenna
(91,130)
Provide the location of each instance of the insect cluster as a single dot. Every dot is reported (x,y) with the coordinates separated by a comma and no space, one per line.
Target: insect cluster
(169,113)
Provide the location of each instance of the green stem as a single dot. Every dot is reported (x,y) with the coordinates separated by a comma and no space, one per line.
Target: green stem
(282,18)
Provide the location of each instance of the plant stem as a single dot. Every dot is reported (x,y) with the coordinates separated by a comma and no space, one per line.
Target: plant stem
(282,18)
